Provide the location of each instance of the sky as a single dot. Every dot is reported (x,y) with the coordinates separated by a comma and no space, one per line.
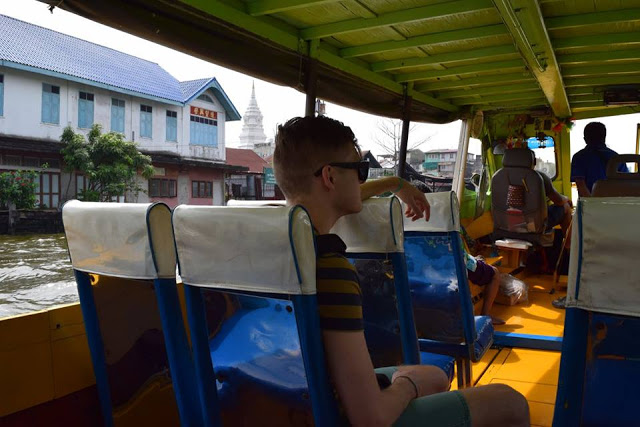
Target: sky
(277,103)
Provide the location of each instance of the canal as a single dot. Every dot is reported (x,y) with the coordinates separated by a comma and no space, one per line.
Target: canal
(35,273)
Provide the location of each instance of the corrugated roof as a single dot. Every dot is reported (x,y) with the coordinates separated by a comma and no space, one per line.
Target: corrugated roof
(190,87)
(246,158)
(34,48)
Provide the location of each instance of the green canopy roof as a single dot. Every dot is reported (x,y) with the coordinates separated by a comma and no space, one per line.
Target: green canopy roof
(452,57)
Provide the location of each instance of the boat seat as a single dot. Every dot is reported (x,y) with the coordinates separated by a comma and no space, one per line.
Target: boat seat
(374,239)
(440,288)
(600,362)
(249,276)
(619,184)
(526,217)
(129,300)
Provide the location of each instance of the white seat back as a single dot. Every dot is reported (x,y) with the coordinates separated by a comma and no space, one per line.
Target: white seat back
(256,249)
(445,214)
(604,249)
(113,239)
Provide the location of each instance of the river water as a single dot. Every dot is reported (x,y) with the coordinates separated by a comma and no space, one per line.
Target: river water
(35,273)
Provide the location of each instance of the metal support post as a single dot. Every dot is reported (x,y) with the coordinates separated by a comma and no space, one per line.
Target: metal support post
(404,138)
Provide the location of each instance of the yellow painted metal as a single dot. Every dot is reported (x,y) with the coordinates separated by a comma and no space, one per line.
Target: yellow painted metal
(26,364)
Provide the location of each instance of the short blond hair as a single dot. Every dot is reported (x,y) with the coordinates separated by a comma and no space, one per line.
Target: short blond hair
(304,144)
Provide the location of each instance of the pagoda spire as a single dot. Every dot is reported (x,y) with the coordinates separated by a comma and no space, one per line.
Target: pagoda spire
(252,132)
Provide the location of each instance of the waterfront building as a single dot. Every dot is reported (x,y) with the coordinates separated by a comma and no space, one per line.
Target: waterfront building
(50,80)
(257,182)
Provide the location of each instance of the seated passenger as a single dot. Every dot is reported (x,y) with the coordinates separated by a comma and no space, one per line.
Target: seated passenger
(487,276)
(318,165)
(590,164)
(559,213)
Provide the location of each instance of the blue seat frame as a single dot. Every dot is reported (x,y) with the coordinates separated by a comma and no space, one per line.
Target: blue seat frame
(471,345)
(176,344)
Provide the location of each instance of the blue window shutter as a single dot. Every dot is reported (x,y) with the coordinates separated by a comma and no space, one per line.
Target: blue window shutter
(172,129)
(89,113)
(117,116)
(214,136)
(55,107)
(45,107)
(145,124)
(82,113)
(1,98)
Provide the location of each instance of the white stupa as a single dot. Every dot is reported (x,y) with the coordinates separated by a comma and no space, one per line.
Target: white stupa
(252,134)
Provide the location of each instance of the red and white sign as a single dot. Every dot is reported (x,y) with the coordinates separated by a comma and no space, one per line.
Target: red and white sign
(197,111)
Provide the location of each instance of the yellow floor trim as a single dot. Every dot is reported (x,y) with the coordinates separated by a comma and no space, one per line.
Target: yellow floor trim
(534,373)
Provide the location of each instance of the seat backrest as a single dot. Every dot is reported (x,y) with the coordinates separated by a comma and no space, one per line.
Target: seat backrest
(375,244)
(600,364)
(124,263)
(530,218)
(250,284)
(619,184)
(437,273)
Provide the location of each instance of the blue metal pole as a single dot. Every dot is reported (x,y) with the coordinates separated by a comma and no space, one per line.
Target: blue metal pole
(205,375)
(323,402)
(408,334)
(96,346)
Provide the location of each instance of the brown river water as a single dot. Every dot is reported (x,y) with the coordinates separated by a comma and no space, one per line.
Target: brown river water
(35,273)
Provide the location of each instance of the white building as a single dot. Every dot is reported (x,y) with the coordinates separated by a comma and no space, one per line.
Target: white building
(49,80)
(252,136)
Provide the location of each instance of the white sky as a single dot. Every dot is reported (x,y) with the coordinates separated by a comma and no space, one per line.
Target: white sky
(277,103)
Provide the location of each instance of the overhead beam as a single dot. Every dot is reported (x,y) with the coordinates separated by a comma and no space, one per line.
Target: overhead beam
(527,26)
(266,7)
(425,40)
(606,56)
(603,81)
(457,71)
(527,104)
(492,90)
(475,82)
(398,17)
(493,99)
(486,54)
(595,18)
(593,70)
(611,40)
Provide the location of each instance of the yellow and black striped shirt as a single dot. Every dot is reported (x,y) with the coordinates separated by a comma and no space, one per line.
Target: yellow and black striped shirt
(338,288)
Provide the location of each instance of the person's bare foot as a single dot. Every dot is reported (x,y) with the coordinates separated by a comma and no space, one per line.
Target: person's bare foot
(497,321)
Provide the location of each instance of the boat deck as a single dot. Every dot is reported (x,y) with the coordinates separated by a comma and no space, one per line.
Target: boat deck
(534,373)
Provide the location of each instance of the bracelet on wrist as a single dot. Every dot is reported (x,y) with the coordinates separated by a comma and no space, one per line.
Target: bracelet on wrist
(415,387)
(400,185)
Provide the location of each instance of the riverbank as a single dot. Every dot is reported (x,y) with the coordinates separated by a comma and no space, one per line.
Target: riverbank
(32,221)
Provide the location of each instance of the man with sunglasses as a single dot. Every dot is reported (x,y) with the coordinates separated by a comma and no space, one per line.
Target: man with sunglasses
(317,163)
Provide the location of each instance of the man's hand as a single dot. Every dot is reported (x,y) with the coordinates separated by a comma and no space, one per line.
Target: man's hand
(417,205)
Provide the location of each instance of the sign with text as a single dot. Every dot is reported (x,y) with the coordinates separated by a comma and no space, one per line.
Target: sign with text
(269,176)
(197,111)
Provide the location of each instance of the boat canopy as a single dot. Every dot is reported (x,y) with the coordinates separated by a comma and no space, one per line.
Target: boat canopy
(451,58)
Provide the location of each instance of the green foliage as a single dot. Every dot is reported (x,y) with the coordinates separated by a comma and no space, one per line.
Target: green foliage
(18,187)
(109,162)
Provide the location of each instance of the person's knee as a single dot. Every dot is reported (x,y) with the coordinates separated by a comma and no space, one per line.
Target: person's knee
(516,405)
(437,378)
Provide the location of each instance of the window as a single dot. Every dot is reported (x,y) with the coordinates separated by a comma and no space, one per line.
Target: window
(205,98)
(201,189)
(48,189)
(82,184)
(545,152)
(85,110)
(1,94)
(172,126)
(12,160)
(117,115)
(203,131)
(146,121)
(50,103)
(162,188)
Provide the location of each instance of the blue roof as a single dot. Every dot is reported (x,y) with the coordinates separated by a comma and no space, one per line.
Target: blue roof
(40,50)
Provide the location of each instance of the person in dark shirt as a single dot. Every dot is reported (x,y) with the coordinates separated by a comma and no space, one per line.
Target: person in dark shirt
(590,164)
(317,163)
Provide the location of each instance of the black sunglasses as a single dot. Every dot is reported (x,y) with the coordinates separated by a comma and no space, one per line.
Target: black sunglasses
(362,167)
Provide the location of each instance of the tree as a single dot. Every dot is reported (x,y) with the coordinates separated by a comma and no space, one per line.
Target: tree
(390,135)
(109,162)
(19,188)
